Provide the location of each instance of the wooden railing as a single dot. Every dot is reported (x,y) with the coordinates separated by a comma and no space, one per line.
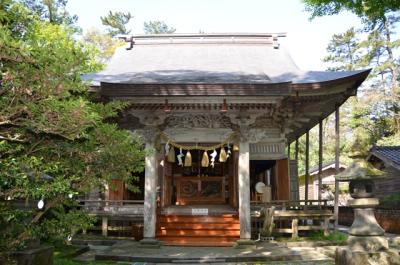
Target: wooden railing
(293,204)
(293,216)
(111,206)
(103,203)
(121,213)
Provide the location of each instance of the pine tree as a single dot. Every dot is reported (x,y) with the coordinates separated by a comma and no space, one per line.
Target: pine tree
(157,27)
(53,11)
(116,22)
(343,51)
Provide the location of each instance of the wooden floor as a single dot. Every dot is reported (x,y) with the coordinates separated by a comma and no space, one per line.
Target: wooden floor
(177,226)
(217,209)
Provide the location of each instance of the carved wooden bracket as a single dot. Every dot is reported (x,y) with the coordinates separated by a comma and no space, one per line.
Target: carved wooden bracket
(151,136)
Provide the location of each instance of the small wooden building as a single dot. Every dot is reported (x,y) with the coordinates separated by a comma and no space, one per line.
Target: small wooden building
(386,158)
(226,105)
(327,178)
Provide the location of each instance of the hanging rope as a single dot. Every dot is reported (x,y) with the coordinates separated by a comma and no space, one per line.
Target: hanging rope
(171,142)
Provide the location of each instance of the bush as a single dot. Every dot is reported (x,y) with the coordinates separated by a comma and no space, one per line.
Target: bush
(391,202)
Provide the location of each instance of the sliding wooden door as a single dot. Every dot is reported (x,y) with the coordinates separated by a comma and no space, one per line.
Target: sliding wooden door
(282,177)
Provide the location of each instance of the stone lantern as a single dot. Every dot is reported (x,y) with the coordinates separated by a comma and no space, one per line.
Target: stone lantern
(366,243)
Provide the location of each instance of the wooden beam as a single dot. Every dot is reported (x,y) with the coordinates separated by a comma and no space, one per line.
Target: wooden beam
(320,160)
(295,230)
(303,119)
(337,140)
(337,143)
(104,226)
(297,124)
(313,113)
(307,166)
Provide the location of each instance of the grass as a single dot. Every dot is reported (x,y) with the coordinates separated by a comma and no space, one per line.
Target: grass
(335,237)
(64,251)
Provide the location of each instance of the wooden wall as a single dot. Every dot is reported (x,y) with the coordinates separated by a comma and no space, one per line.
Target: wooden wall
(283,182)
(389,185)
(116,190)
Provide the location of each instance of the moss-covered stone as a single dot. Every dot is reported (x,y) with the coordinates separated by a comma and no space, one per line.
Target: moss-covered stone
(360,169)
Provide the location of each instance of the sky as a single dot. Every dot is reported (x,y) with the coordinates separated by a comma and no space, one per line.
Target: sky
(306,40)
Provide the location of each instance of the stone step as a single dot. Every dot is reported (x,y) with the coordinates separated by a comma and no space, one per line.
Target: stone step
(198,241)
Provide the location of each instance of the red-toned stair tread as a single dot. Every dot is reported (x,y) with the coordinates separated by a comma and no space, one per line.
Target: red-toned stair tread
(185,230)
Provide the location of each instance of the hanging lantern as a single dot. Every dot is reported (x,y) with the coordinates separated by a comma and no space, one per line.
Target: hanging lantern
(205,162)
(171,155)
(222,155)
(188,159)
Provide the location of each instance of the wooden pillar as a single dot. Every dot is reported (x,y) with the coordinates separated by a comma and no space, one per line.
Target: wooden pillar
(320,160)
(235,200)
(307,166)
(244,190)
(104,225)
(296,153)
(288,151)
(150,134)
(337,146)
(295,228)
(150,187)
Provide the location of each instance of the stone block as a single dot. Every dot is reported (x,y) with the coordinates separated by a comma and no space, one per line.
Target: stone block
(367,243)
(42,255)
(245,244)
(346,256)
(149,243)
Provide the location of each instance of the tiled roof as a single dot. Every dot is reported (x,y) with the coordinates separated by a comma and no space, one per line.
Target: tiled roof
(388,153)
(325,165)
(208,59)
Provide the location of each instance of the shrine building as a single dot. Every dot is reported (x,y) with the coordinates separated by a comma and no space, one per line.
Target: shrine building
(219,111)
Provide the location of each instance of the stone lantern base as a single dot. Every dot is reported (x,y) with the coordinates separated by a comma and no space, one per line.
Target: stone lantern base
(365,234)
(366,244)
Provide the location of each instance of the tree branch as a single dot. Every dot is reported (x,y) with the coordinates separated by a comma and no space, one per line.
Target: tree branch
(12,139)
(25,235)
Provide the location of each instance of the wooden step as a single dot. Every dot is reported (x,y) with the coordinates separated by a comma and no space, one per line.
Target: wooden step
(200,226)
(198,219)
(193,233)
(199,230)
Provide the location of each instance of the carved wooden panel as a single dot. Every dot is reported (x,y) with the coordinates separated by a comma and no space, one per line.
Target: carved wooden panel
(198,121)
(197,190)
(267,151)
